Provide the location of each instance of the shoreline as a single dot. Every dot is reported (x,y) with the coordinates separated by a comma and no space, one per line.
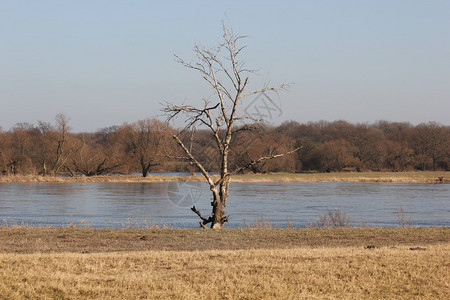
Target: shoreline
(429,177)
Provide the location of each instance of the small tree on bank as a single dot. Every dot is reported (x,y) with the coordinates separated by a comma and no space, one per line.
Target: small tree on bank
(222,69)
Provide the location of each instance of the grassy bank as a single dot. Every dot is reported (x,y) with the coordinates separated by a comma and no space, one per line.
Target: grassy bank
(91,240)
(73,263)
(419,177)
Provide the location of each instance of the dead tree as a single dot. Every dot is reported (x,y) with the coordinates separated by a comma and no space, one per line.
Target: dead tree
(61,155)
(225,73)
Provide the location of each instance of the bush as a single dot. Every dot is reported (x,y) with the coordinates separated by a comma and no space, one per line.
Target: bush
(332,219)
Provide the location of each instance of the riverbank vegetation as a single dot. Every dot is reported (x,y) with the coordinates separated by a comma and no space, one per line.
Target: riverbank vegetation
(392,177)
(147,146)
(369,263)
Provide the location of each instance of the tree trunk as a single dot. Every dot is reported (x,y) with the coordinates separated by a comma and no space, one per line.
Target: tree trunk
(145,167)
(218,213)
(144,171)
(219,204)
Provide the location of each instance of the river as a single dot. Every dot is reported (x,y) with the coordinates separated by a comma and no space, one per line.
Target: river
(123,205)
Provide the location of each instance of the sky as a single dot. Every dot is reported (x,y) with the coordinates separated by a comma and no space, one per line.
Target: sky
(103,63)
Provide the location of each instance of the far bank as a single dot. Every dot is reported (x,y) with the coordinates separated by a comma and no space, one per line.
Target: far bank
(432,177)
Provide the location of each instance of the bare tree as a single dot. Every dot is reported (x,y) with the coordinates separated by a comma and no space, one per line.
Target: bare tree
(5,153)
(62,129)
(431,143)
(145,140)
(91,160)
(336,155)
(225,73)
(19,160)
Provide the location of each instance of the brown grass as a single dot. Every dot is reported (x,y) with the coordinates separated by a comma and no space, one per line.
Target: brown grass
(90,240)
(298,273)
(74,263)
(419,177)
(102,178)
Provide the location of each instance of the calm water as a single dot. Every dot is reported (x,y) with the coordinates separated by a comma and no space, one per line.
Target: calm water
(145,204)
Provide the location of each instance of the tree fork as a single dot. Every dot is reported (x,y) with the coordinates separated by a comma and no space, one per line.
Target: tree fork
(205,221)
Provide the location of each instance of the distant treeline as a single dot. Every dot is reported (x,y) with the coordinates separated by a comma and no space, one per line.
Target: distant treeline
(147,146)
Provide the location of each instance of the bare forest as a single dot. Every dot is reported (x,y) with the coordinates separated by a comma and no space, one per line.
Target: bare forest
(147,146)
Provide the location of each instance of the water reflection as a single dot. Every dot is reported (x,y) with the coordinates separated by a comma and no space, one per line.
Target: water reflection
(119,204)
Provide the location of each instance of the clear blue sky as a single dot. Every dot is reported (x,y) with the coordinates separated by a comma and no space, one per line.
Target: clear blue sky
(103,63)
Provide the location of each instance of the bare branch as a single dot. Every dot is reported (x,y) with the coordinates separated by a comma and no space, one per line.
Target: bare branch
(253,162)
(195,161)
(284,86)
(205,221)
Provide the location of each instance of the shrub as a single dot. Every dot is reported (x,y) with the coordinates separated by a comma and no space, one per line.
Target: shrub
(332,219)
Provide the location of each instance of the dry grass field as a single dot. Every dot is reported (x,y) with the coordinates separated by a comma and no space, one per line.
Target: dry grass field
(349,263)
(413,176)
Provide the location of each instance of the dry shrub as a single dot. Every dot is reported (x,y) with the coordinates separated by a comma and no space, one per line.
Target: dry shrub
(402,222)
(289,224)
(332,219)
